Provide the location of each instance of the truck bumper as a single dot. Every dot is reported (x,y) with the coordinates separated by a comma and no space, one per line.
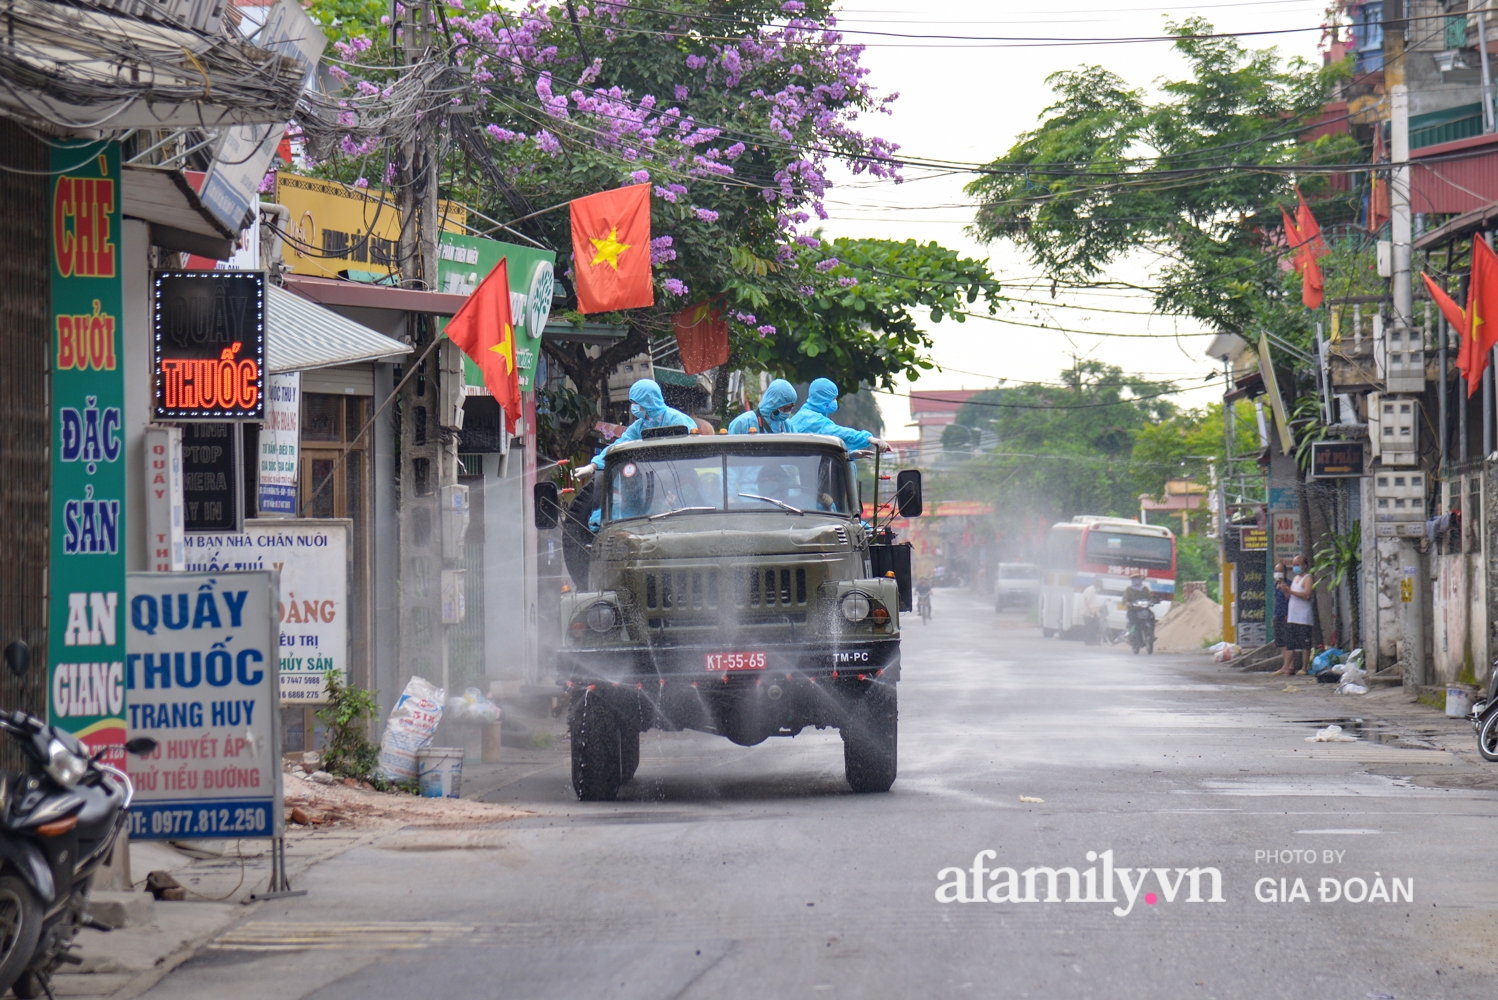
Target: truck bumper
(671,688)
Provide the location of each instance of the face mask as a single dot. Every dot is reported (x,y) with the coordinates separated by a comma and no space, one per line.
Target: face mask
(1295,570)
(635,411)
(1279,576)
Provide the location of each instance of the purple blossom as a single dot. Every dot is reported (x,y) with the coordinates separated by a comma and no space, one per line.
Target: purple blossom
(847,282)
(793,6)
(808,241)
(696,62)
(660,250)
(665,194)
(707,215)
(640,177)
(734,152)
(746,318)
(548,143)
(826,265)
(765,331)
(268,183)
(681,92)
(361,182)
(504,134)
(806,290)
(674,286)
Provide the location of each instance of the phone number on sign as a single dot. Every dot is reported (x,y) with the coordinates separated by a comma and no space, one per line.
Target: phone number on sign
(236,819)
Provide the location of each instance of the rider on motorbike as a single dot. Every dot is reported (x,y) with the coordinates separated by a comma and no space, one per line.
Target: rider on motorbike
(1137,590)
(923,596)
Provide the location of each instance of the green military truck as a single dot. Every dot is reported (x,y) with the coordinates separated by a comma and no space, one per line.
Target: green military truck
(732,587)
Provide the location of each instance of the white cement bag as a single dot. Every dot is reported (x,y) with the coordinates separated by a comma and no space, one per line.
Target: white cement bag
(410,727)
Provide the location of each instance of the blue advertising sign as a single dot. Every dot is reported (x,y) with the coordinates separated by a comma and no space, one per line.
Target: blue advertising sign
(201,680)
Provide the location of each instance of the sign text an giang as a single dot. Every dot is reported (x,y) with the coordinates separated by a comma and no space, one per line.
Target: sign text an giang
(208,345)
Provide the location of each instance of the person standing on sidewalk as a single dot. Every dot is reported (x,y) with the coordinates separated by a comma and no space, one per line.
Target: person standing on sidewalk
(1281,614)
(1298,618)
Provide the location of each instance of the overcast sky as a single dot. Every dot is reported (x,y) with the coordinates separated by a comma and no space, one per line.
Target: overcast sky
(965,102)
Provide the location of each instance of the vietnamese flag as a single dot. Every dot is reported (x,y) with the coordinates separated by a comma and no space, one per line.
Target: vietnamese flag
(701,337)
(485,331)
(1482,315)
(1304,236)
(611,250)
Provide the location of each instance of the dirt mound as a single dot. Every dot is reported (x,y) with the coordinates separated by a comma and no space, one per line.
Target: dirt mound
(1188,624)
(362,807)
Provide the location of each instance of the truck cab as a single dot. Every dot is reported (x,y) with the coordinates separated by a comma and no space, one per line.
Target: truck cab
(732,587)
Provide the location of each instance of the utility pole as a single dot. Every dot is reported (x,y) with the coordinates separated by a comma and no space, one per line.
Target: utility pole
(428,448)
(1487,79)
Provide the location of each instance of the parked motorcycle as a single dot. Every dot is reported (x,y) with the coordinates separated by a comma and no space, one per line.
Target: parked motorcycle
(1141,614)
(1484,719)
(59,821)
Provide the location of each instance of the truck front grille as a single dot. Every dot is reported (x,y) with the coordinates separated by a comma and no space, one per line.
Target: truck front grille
(770,587)
(688,589)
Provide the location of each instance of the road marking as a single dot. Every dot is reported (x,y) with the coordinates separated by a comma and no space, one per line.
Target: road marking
(1343,833)
(268,935)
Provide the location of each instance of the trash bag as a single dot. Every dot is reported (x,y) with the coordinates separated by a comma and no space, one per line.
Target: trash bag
(1326,659)
(411,725)
(1354,675)
(1352,689)
(1223,652)
(473,708)
(1355,659)
(1331,734)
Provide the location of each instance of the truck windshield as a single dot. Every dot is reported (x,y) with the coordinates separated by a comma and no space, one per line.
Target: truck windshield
(648,485)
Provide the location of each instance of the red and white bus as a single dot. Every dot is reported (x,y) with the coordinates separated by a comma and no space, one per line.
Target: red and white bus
(1104,552)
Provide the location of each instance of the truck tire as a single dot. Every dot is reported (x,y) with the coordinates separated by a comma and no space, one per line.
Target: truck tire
(629,757)
(597,750)
(871,740)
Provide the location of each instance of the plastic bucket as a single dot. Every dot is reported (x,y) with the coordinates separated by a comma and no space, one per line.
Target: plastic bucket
(1458,702)
(441,771)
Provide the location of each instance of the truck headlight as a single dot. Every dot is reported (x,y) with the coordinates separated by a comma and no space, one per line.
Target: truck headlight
(601,617)
(856,606)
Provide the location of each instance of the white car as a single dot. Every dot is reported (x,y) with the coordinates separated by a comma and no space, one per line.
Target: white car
(1018,586)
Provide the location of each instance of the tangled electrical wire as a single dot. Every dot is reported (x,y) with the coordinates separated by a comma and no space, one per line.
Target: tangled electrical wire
(85,69)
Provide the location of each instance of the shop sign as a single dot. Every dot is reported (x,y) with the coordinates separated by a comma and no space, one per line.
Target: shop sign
(464,261)
(280,438)
(1286,538)
(312,558)
(86,574)
(212,476)
(201,680)
(1250,592)
(165,518)
(338,230)
(208,345)
(1337,459)
(1253,539)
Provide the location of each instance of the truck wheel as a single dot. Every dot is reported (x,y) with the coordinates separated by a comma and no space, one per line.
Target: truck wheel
(629,753)
(597,750)
(871,740)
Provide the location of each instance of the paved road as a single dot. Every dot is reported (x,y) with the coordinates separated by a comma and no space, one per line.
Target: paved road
(727,872)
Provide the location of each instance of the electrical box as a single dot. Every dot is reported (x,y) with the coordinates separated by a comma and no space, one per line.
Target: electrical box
(1385,259)
(452,389)
(454,520)
(454,603)
(1399,504)
(1398,429)
(1404,360)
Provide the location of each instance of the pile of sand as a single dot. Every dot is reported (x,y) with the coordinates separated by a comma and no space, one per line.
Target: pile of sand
(1189,624)
(362,806)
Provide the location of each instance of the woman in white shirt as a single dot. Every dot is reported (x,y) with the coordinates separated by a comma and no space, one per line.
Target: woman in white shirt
(1298,621)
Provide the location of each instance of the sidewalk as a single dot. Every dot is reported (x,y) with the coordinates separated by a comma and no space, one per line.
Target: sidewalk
(220,876)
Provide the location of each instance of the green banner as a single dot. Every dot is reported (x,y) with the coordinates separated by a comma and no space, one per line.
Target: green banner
(86,577)
(464,261)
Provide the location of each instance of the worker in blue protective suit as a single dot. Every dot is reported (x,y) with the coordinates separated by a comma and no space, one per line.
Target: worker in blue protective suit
(812,418)
(773,416)
(648,407)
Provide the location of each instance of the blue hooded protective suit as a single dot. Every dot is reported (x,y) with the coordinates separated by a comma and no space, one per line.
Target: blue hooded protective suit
(812,418)
(650,410)
(779,395)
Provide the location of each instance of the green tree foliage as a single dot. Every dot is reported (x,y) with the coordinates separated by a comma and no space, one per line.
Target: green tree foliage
(733,113)
(1110,171)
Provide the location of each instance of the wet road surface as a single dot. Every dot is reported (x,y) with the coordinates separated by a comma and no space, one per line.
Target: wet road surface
(728,872)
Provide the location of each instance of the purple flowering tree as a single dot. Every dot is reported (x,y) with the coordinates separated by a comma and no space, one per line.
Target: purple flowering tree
(734,114)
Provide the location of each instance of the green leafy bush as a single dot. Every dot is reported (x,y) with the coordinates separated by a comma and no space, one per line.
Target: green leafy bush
(350,752)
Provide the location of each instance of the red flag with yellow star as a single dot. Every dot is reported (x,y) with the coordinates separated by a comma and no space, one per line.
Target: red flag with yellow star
(701,337)
(611,250)
(485,330)
(1482,315)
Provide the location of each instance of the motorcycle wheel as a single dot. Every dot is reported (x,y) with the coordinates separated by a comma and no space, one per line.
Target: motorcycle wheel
(1487,737)
(20,928)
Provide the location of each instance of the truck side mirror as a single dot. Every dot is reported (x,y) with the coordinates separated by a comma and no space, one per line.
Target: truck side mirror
(548,505)
(18,657)
(908,492)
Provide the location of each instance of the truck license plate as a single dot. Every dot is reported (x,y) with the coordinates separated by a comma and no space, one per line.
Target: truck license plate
(736,661)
